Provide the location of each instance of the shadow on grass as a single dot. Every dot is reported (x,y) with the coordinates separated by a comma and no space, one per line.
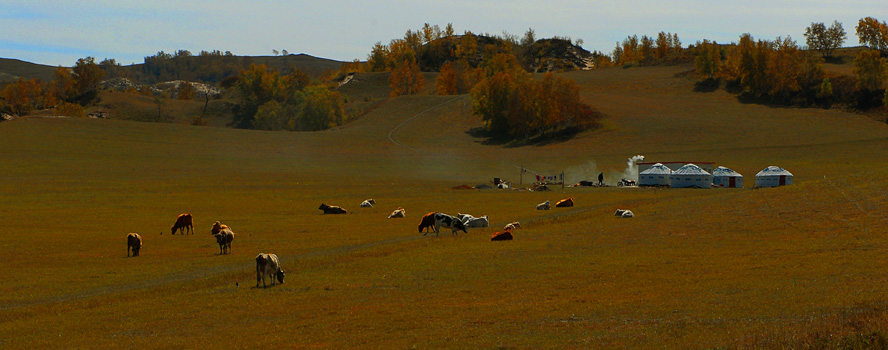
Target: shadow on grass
(708,85)
(548,138)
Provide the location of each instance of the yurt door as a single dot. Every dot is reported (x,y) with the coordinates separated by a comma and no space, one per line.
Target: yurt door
(732,182)
(782,180)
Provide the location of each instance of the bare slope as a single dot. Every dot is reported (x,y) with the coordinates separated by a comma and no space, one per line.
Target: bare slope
(695,268)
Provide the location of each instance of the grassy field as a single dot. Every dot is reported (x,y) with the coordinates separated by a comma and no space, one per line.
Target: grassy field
(802,266)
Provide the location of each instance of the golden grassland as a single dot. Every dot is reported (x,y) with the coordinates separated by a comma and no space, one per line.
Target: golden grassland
(802,266)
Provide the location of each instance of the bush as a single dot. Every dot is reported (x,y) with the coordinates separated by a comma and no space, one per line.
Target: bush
(71,110)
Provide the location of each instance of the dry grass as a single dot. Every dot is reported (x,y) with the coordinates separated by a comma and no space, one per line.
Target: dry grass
(801,266)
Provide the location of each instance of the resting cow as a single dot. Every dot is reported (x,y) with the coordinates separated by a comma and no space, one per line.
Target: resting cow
(502,236)
(427,221)
(445,220)
(368,203)
(267,264)
(218,226)
(224,239)
(569,202)
(512,226)
(398,213)
(184,223)
(134,242)
(331,209)
(477,222)
(544,206)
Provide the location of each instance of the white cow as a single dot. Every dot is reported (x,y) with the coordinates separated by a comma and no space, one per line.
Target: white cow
(464,217)
(544,206)
(267,264)
(368,203)
(512,226)
(478,222)
(398,213)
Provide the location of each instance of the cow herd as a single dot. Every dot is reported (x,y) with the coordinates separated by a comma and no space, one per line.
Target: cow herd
(269,265)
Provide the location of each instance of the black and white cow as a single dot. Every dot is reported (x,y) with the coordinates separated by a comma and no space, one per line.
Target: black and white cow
(445,220)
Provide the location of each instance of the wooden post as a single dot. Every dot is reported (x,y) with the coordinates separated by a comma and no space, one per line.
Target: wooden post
(562,180)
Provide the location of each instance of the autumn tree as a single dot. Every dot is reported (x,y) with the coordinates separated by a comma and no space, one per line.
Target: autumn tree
(87,75)
(873,34)
(823,39)
(378,58)
(22,96)
(871,70)
(322,109)
(63,86)
(406,79)
(186,91)
(708,60)
(784,68)
(447,82)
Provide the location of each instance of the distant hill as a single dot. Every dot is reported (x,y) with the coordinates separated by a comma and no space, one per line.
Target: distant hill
(207,69)
(11,69)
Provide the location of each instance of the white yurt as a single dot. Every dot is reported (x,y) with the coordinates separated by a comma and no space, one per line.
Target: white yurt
(724,177)
(690,175)
(773,176)
(656,175)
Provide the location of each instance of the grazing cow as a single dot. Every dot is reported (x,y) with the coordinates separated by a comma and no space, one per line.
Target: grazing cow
(267,264)
(627,214)
(445,220)
(368,203)
(184,223)
(502,236)
(512,226)
(478,222)
(569,202)
(427,221)
(544,206)
(218,226)
(331,209)
(134,242)
(224,239)
(619,212)
(398,213)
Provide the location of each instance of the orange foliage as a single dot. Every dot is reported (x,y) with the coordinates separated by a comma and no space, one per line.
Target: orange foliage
(406,79)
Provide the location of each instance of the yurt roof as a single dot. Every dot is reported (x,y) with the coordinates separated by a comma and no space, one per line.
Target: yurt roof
(773,171)
(658,168)
(722,171)
(690,169)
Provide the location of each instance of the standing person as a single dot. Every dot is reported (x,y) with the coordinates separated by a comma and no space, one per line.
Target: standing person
(600,179)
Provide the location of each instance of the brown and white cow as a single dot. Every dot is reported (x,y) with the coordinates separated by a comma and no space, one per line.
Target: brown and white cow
(268,264)
(134,243)
(331,209)
(218,226)
(224,238)
(184,223)
(512,226)
(398,213)
(543,206)
(567,202)
(427,221)
(368,203)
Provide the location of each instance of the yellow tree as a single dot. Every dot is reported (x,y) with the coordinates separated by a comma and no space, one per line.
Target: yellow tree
(784,67)
(23,96)
(708,60)
(871,70)
(873,34)
(447,82)
(406,79)
(63,86)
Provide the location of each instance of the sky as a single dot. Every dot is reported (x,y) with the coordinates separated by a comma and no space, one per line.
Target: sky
(58,33)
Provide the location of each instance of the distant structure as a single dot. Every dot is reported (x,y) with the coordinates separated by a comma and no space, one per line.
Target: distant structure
(724,177)
(656,175)
(690,175)
(707,166)
(773,176)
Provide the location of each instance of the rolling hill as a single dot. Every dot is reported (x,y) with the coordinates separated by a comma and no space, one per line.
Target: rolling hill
(787,267)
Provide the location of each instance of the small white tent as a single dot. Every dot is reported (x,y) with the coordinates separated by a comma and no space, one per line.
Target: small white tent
(656,175)
(724,177)
(690,175)
(773,176)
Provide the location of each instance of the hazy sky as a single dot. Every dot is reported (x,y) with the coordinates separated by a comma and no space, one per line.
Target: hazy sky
(59,32)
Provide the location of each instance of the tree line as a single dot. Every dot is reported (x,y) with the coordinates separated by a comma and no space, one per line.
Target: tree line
(780,71)
(70,90)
